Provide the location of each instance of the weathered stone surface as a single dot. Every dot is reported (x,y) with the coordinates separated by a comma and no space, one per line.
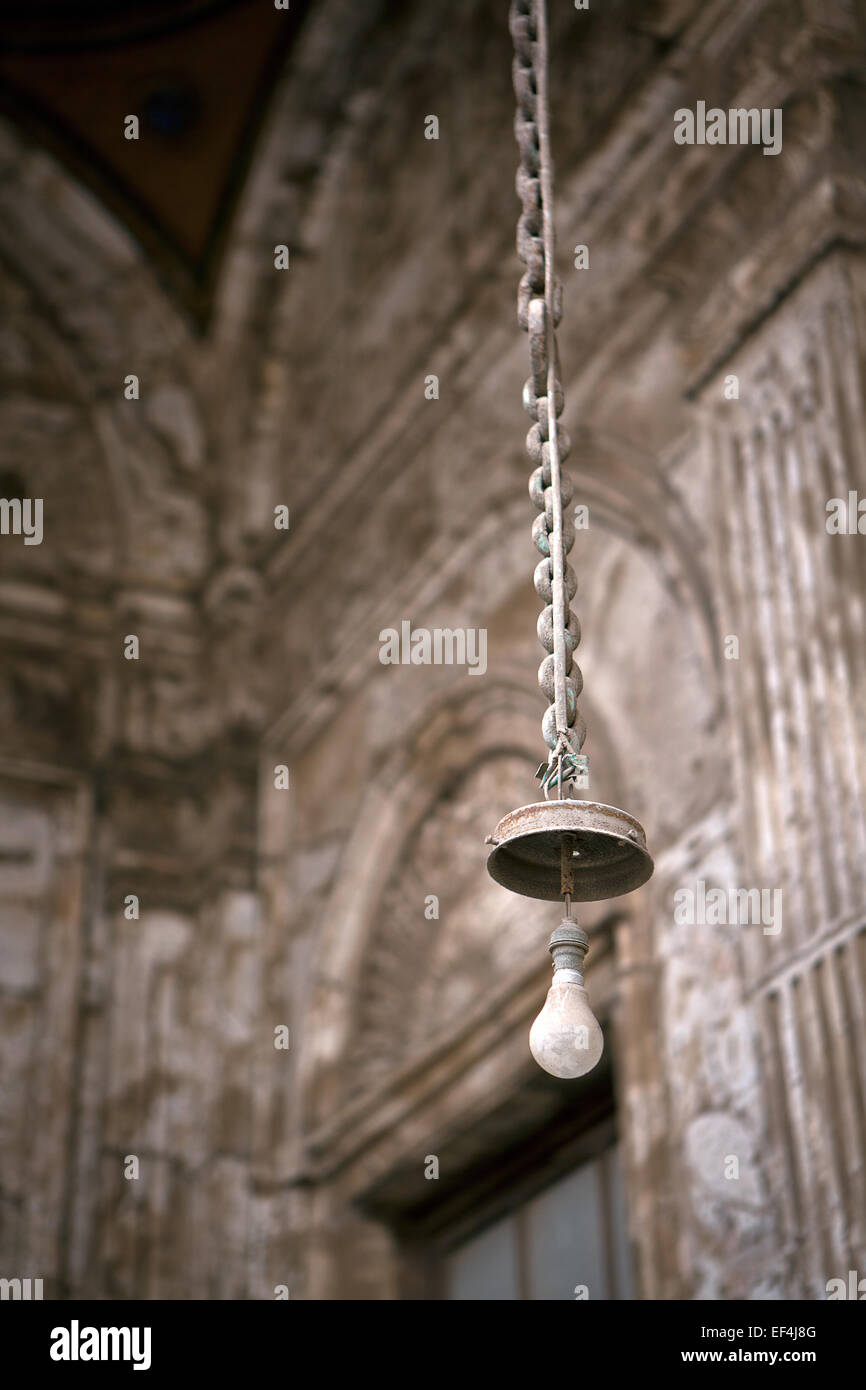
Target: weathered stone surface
(151,1035)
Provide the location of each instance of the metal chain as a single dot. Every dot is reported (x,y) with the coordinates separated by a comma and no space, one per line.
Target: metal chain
(539,309)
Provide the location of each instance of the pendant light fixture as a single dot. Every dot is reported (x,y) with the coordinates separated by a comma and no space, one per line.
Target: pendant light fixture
(561,847)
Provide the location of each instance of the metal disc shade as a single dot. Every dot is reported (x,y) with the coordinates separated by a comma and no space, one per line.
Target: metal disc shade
(610,853)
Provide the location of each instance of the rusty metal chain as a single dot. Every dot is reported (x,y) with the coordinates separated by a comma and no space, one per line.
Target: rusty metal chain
(539,309)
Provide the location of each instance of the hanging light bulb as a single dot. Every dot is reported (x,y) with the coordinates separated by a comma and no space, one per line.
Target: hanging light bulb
(566,1038)
(565,848)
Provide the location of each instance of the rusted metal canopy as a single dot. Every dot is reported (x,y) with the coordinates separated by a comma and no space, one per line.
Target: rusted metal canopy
(610,853)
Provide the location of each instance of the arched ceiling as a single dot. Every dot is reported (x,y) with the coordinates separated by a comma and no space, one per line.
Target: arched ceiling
(197,73)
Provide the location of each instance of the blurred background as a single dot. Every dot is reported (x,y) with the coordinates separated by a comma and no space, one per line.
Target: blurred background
(263,1014)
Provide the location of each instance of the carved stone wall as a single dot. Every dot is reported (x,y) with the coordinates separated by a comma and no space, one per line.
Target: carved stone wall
(793,592)
(264,908)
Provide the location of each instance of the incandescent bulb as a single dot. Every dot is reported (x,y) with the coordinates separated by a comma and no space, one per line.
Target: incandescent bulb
(566,1038)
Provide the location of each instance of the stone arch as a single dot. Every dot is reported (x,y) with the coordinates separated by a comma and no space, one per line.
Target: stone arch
(369,966)
(75,279)
(469,755)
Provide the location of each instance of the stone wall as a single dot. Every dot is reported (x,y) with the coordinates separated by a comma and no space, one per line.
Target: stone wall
(260,907)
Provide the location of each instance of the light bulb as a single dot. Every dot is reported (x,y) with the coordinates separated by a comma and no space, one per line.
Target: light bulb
(566,1038)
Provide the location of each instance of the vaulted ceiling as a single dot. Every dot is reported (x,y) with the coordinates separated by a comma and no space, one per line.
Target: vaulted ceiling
(197,73)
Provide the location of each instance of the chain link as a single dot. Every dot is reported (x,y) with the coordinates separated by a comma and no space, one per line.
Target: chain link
(539,310)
